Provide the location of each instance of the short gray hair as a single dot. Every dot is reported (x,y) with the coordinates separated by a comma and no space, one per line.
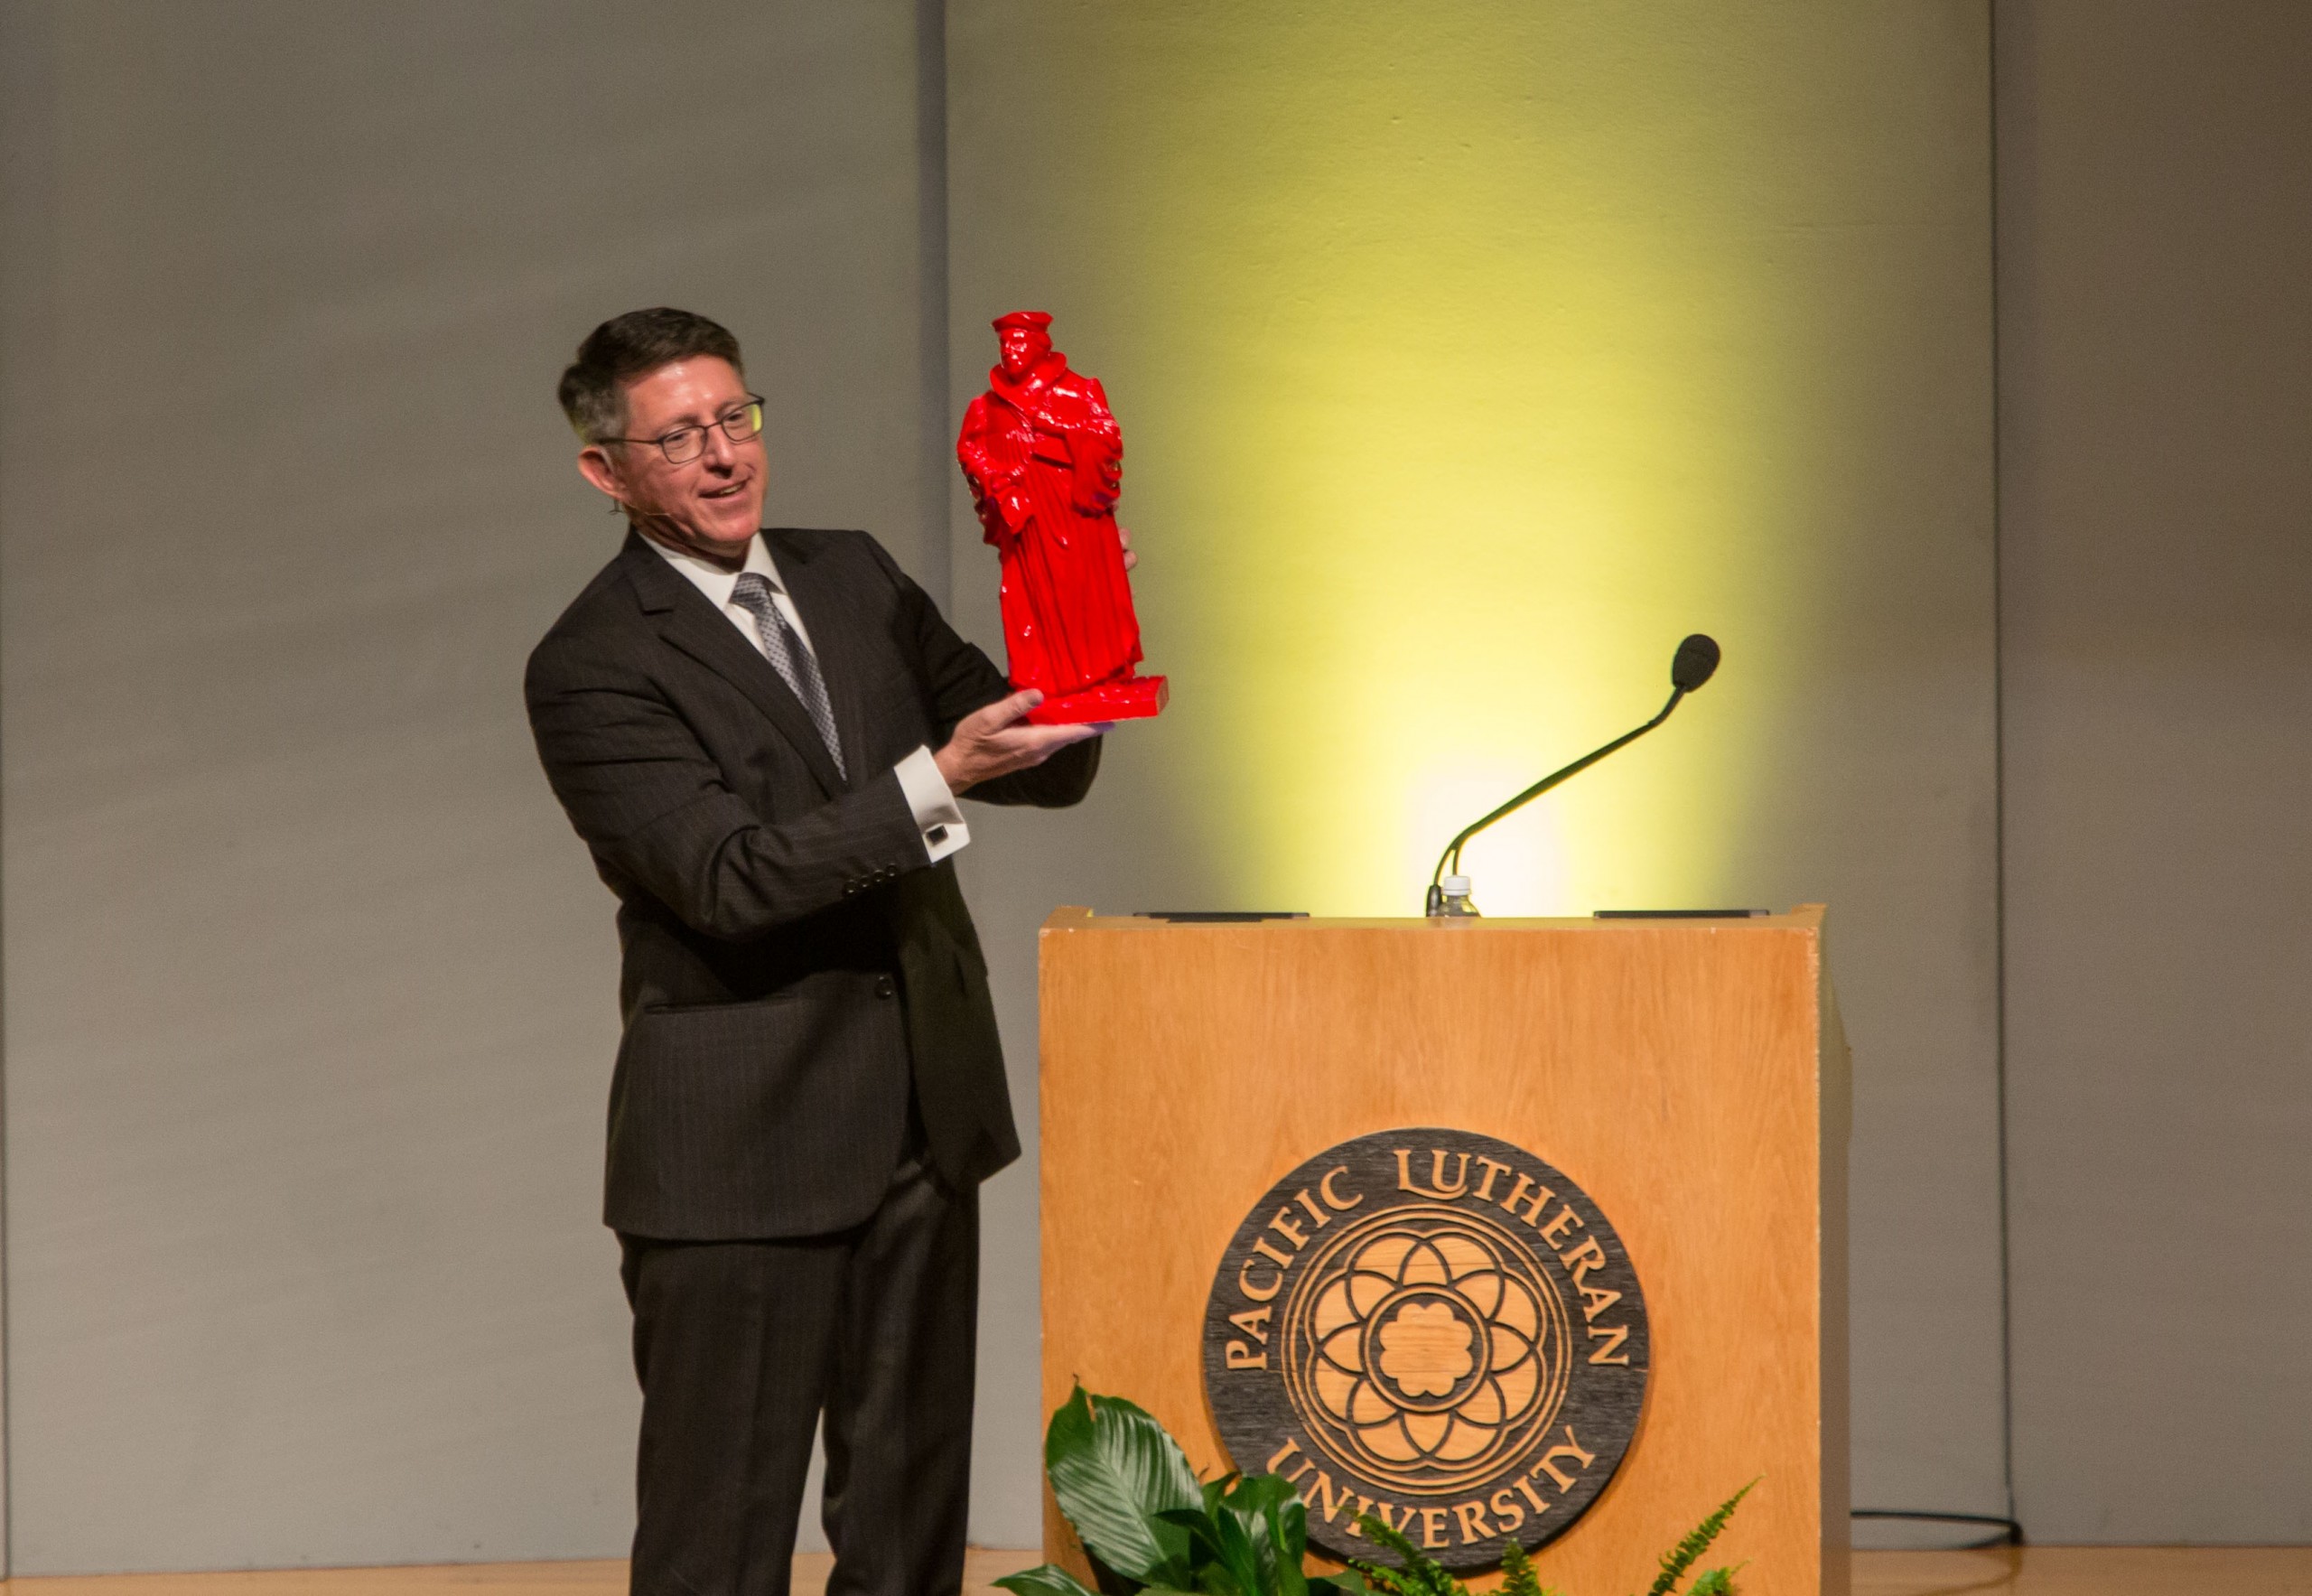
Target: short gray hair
(592,391)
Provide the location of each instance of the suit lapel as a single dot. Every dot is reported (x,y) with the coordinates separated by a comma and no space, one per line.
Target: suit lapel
(687,621)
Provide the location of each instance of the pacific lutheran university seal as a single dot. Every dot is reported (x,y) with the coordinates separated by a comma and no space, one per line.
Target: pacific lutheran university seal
(1433,1327)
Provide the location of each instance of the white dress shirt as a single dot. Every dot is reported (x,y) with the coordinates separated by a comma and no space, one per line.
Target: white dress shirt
(936,815)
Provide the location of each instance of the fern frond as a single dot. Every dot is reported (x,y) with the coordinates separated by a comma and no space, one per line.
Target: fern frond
(1383,1578)
(1717,1582)
(1517,1571)
(1381,1532)
(1420,1576)
(1681,1557)
(1394,1582)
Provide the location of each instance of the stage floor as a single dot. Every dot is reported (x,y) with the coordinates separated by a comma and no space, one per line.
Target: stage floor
(2030,1571)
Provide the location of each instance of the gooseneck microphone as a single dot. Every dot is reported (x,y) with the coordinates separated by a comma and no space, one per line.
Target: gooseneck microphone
(1695,662)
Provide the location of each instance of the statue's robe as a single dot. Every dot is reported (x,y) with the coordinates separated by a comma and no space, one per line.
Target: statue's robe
(1035,452)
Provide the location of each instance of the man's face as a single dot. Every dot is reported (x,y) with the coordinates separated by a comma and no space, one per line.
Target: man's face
(709,506)
(1022,346)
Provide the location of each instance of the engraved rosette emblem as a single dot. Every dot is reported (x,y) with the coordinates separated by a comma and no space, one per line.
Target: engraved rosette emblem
(1434,1327)
(1426,1348)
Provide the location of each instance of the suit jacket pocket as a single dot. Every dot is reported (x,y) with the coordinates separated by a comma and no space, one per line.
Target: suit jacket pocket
(776,1117)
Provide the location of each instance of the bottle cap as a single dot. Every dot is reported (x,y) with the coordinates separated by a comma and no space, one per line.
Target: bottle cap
(1457,886)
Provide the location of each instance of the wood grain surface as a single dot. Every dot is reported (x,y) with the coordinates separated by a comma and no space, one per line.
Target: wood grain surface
(2088,1571)
(602,1577)
(1687,1075)
(2022,1570)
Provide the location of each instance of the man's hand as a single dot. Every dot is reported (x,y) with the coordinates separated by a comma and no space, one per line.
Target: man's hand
(995,742)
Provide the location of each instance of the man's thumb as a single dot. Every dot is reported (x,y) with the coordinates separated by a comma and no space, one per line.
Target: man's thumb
(1008,711)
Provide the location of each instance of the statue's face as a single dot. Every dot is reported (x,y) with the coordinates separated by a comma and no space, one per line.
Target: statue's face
(1022,346)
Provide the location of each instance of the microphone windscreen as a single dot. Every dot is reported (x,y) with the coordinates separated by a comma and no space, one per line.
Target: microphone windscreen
(1695,663)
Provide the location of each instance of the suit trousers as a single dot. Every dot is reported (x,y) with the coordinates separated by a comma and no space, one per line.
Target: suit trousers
(742,1345)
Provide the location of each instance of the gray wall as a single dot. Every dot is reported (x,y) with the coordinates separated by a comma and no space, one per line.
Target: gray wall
(2155,404)
(308,989)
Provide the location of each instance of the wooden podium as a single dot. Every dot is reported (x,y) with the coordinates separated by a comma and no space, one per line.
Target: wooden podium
(1689,1075)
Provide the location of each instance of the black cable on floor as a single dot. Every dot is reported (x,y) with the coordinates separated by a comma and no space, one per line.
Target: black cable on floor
(2010,1533)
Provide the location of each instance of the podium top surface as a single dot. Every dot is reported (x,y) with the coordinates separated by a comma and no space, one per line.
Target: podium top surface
(1804,917)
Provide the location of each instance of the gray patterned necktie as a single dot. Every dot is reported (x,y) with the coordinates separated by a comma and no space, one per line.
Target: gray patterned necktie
(790,657)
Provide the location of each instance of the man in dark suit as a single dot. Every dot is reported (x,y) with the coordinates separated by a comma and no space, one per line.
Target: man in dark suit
(760,735)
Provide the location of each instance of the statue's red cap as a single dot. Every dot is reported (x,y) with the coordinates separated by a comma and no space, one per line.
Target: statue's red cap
(1038,320)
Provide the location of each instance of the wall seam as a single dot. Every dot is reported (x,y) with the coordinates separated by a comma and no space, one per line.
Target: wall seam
(27,28)
(1992,16)
(26,179)
(936,555)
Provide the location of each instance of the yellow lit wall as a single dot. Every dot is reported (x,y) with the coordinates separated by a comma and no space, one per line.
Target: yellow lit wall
(1467,355)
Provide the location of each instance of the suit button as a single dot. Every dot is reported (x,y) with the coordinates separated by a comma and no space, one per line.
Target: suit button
(886,987)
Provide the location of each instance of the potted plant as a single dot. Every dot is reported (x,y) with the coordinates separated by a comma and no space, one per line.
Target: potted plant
(1150,1525)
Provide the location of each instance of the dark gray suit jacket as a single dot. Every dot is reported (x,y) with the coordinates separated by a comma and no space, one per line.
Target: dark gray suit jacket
(791,962)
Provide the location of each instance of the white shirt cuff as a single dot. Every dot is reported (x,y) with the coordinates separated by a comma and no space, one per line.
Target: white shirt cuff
(941,822)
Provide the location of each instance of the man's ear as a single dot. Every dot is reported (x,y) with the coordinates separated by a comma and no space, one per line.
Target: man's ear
(595,464)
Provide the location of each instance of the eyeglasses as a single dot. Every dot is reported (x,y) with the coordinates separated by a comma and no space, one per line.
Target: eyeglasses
(687,443)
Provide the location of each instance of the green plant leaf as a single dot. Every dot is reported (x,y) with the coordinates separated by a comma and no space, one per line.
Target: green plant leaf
(1256,1492)
(1717,1582)
(1203,1539)
(1386,1581)
(1237,1568)
(1518,1578)
(1288,1535)
(1114,1471)
(1257,1504)
(1381,1532)
(1045,1580)
(1681,1557)
(1347,1582)
(1421,1575)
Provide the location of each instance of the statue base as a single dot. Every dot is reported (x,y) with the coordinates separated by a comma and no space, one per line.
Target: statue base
(1130,698)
